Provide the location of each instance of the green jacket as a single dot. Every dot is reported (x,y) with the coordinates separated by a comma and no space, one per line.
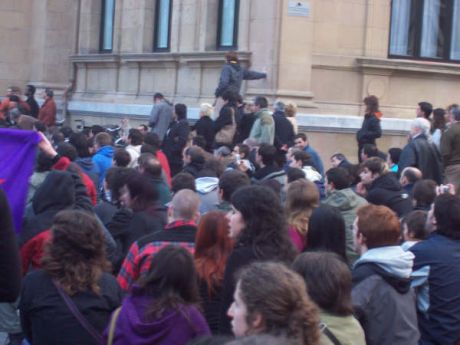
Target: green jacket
(347,202)
(346,329)
(263,129)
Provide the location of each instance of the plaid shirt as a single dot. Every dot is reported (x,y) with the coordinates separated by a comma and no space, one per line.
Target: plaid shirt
(141,253)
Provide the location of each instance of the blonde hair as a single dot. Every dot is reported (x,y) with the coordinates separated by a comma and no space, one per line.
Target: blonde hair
(206,109)
(291,109)
(301,198)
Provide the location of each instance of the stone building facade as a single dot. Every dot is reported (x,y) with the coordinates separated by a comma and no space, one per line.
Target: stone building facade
(325,55)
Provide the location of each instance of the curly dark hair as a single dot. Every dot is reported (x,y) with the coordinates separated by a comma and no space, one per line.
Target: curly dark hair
(266,227)
(280,297)
(75,256)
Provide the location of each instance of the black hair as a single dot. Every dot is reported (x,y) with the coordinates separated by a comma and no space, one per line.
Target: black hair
(395,153)
(339,177)
(370,150)
(230,96)
(427,108)
(244,149)
(261,101)
(135,136)
(171,279)
(44,163)
(121,157)
(181,111)
(424,193)
(416,224)
(326,231)
(294,174)
(447,215)
(153,139)
(304,157)
(265,223)
(115,178)
(147,148)
(49,92)
(31,90)
(142,191)
(67,150)
(183,181)
(80,142)
(95,129)
(231,181)
(268,153)
(158,95)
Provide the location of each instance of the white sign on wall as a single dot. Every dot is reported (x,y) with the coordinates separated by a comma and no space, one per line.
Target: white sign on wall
(298,9)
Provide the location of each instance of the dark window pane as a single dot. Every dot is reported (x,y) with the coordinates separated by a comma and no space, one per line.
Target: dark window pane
(455,41)
(228,23)
(433,38)
(107,24)
(403,28)
(162,24)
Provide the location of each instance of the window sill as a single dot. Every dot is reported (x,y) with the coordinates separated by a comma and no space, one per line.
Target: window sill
(392,65)
(186,57)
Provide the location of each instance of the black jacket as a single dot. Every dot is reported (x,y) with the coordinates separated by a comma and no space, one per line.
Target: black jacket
(205,127)
(34,108)
(386,190)
(10,271)
(127,227)
(370,130)
(244,127)
(46,319)
(425,156)
(284,131)
(175,140)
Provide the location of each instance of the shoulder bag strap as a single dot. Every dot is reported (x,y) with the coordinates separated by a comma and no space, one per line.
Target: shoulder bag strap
(74,310)
(327,332)
(113,324)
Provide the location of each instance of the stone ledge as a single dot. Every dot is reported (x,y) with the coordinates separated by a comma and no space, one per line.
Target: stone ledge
(185,57)
(425,67)
(311,122)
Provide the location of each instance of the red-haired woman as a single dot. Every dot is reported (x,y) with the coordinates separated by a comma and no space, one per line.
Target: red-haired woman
(212,248)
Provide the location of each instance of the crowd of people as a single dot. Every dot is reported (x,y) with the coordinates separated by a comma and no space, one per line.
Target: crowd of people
(234,227)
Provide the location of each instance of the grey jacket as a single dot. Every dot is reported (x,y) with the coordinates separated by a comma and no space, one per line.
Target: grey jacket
(383,300)
(161,117)
(263,129)
(347,202)
(232,75)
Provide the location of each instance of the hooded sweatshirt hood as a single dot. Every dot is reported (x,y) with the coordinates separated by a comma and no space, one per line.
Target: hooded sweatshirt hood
(206,185)
(392,263)
(135,327)
(392,259)
(387,182)
(344,199)
(57,192)
(86,164)
(106,151)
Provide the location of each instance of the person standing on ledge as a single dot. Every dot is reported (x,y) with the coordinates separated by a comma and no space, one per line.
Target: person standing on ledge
(231,77)
(161,115)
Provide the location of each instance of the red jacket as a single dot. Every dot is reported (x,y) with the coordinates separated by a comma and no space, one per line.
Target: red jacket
(47,113)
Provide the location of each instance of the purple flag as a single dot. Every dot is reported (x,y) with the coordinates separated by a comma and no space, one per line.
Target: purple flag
(17,160)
